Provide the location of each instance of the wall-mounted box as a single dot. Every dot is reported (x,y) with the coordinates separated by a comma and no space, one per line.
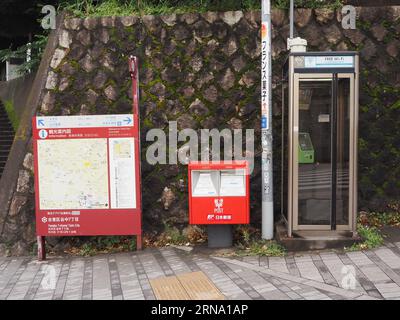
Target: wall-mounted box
(219,192)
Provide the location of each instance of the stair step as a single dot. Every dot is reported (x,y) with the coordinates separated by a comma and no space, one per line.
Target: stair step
(6,137)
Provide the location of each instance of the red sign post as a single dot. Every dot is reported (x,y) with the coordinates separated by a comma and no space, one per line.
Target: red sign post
(219,192)
(87,174)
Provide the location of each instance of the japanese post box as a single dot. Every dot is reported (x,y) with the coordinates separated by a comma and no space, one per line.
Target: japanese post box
(219,192)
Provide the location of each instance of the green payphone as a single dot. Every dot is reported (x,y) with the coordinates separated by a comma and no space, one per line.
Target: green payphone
(306,149)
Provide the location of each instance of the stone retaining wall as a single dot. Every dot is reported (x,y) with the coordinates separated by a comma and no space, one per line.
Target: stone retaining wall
(202,70)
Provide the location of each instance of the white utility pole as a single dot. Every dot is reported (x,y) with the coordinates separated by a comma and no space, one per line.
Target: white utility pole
(267,227)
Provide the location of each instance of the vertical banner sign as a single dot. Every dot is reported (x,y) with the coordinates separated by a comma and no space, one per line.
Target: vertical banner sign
(266,122)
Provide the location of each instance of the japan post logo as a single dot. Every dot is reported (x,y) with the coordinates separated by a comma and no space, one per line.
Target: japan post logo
(218,205)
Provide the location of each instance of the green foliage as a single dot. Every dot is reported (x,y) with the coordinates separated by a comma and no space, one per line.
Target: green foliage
(379,151)
(87,250)
(108,244)
(37,47)
(267,248)
(173,236)
(248,243)
(380,219)
(285,4)
(371,238)
(34,249)
(8,105)
(142,7)
(103,8)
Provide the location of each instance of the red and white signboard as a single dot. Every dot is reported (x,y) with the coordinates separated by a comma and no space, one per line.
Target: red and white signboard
(87,179)
(219,192)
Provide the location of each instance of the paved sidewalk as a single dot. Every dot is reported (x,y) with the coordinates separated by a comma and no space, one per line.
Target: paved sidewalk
(126,275)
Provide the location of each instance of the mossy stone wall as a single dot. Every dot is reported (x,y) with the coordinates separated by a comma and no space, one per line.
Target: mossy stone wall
(203,71)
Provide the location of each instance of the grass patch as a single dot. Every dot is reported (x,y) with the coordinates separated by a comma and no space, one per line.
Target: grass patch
(371,236)
(98,245)
(173,235)
(369,225)
(314,4)
(249,243)
(268,248)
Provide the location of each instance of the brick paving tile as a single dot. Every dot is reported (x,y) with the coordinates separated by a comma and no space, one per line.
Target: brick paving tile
(22,285)
(127,275)
(87,285)
(74,283)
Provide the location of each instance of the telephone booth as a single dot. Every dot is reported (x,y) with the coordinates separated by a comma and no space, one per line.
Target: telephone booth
(319,144)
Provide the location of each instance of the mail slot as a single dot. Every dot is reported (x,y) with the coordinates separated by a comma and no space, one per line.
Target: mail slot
(219,192)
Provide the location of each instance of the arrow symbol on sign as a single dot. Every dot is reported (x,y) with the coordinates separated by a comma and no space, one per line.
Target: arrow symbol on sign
(128,120)
(40,122)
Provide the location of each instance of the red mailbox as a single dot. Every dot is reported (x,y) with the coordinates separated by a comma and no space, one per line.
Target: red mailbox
(219,192)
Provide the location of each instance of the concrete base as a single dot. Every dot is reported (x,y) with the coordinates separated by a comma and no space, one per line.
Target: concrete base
(314,240)
(219,236)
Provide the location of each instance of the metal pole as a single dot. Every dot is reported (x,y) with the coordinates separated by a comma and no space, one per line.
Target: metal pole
(41,248)
(267,207)
(134,73)
(291,18)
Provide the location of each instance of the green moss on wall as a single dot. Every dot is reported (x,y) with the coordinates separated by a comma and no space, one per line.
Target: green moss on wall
(12,116)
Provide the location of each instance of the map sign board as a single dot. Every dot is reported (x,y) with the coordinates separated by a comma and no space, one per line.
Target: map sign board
(87,179)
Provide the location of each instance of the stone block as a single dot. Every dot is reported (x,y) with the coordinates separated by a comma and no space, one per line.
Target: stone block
(231,17)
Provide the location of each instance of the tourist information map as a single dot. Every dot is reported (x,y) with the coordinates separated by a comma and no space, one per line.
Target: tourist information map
(86,175)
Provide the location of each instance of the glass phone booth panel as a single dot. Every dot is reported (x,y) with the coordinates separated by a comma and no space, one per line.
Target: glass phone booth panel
(319,163)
